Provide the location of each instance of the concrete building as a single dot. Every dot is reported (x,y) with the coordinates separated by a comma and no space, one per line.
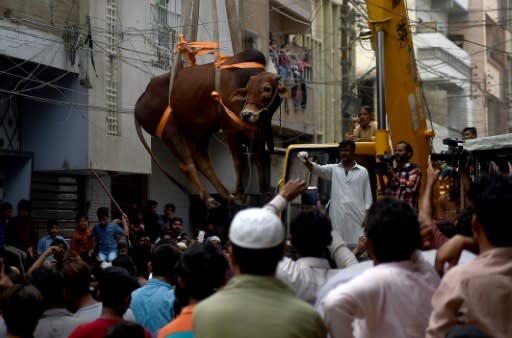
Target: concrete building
(444,66)
(71,73)
(485,35)
(332,41)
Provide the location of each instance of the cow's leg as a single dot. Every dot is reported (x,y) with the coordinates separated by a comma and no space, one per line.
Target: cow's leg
(177,143)
(261,159)
(236,153)
(202,161)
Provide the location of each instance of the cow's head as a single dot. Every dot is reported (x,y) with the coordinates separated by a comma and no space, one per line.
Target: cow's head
(262,95)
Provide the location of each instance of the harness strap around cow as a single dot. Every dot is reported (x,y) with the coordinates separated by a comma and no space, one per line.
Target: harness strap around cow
(234,117)
(163,121)
(189,50)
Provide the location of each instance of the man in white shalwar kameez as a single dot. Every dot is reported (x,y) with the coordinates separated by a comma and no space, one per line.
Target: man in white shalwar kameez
(391,299)
(351,193)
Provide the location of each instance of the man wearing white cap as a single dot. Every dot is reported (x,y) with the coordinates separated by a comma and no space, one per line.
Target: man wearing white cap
(254,303)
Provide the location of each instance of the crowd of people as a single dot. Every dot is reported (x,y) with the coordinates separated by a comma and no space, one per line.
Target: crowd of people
(140,276)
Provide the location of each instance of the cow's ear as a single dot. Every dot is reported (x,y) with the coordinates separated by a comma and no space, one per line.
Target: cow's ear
(284,93)
(238,95)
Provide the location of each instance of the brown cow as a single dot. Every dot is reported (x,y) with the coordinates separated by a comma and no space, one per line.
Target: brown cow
(196,116)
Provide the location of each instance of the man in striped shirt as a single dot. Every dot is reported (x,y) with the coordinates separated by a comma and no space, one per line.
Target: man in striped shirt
(403,182)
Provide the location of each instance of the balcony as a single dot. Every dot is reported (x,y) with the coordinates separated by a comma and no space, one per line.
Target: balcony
(302,9)
(290,17)
(440,60)
(293,64)
(453,7)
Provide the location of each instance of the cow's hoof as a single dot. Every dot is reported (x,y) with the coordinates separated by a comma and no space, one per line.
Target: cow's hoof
(238,200)
(211,203)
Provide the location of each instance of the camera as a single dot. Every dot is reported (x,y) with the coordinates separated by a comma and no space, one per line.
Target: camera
(455,156)
(386,162)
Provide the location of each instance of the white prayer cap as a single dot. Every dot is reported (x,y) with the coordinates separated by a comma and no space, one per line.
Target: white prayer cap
(256,228)
(213,238)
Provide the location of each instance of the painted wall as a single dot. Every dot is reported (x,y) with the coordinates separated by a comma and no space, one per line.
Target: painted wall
(32,44)
(15,173)
(56,132)
(124,152)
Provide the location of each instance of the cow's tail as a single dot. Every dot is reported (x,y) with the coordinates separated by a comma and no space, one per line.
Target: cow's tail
(157,162)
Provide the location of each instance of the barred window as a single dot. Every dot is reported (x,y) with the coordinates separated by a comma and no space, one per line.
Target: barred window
(164,22)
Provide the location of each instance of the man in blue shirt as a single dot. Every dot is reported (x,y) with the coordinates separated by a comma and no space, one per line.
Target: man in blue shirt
(153,304)
(105,235)
(47,240)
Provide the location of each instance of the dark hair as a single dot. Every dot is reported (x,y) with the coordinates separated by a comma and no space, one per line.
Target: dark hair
(170,206)
(81,215)
(492,196)
(311,233)
(202,269)
(174,219)
(166,233)
(150,203)
(51,222)
(23,205)
(58,241)
(347,143)
(22,306)
(102,212)
(50,283)
(472,130)
(464,221)
(262,262)
(141,255)
(126,262)
(125,329)
(393,229)
(77,277)
(164,258)
(4,207)
(115,286)
(408,147)
(369,109)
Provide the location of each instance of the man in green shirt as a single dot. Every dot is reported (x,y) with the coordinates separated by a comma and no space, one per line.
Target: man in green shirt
(254,303)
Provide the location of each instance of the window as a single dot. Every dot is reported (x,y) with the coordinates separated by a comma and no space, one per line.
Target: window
(164,28)
(457,39)
(250,40)
(495,41)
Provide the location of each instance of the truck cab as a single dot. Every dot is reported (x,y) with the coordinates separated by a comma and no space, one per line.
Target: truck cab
(320,188)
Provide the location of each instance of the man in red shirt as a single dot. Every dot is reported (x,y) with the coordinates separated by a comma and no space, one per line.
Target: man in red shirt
(115,288)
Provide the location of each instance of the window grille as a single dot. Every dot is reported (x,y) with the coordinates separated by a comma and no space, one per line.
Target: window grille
(111,70)
(165,33)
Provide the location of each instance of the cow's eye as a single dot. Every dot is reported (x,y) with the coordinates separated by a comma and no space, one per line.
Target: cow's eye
(267,89)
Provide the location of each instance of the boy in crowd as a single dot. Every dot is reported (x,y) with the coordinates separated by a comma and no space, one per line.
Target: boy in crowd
(46,241)
(105,235)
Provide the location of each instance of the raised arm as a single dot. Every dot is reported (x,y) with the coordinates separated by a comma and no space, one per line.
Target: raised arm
(291,189)
(425,211)
(40,260)
(304,157)
(126,228)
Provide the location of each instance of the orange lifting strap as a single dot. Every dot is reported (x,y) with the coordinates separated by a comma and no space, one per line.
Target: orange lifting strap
(163,121)
(234,117)
(189,50)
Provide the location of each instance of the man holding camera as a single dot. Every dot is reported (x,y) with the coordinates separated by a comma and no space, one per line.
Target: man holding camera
(351,193)
(402,182)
